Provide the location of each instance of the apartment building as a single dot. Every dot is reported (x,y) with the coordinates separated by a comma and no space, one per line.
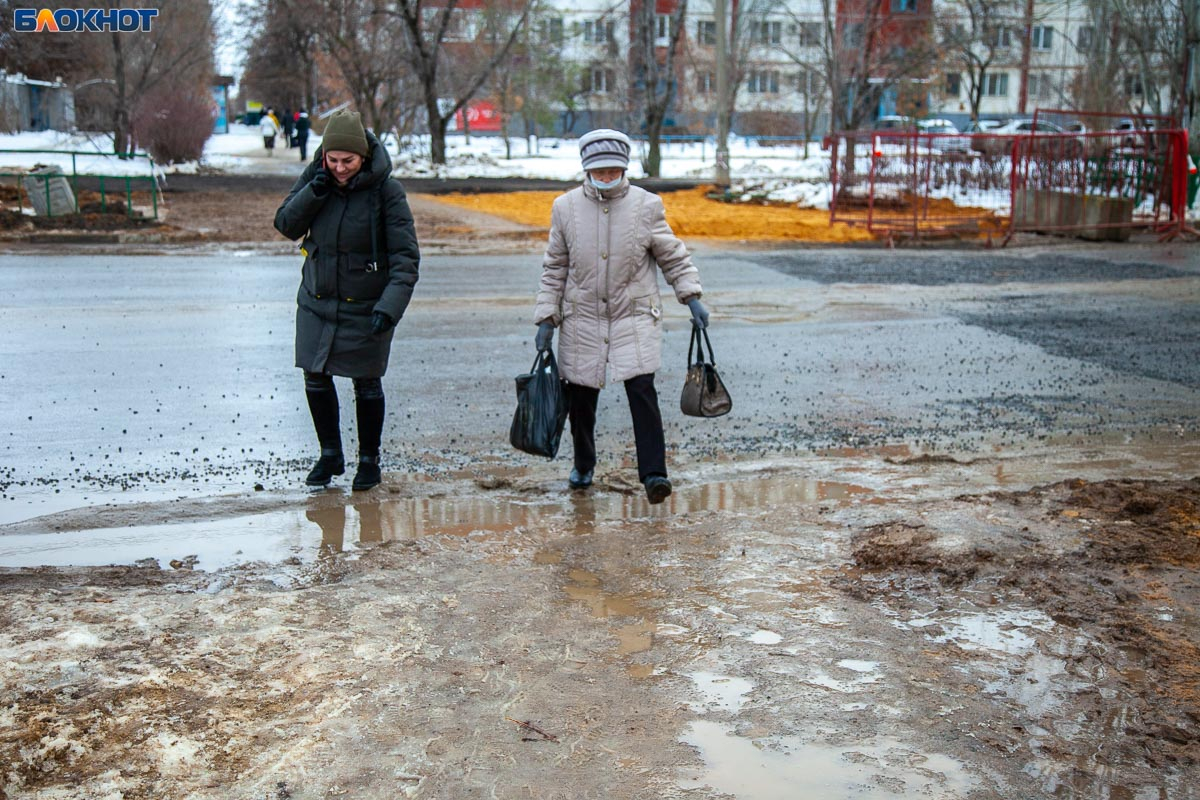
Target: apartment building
(780,51)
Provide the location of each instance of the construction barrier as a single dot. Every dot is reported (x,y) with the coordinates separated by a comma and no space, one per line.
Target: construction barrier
(1097,184)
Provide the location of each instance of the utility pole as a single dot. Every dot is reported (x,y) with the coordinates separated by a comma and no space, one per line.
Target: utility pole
(721,22)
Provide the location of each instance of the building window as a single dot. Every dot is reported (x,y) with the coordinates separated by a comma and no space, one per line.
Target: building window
(597,31)
(1039,85)
(952,87)
(599,80)
(662,29)
(999,37)
(807,82)
(1043,37)
(552,30)
(706,82)
(995,84)
(706,32)
(852,35)
(904,6)
(768,32)
(1084,40)
(809,33)
(763,82)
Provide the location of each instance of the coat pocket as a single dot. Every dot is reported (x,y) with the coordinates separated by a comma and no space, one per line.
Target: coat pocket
(316,276)
(361,279)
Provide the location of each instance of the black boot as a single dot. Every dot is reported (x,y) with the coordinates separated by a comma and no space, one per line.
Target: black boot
(368,475)
(658,488)
(326,467)
(323,405)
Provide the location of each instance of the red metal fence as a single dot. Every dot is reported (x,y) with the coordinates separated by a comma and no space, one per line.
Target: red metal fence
(1100,184)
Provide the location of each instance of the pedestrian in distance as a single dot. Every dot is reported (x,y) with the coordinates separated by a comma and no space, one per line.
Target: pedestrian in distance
(360,266)
(268,126)
(302,125)
(608,239)
(285,122)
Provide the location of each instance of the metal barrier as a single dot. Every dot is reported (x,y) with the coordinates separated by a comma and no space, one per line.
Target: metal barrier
(126,181)
(76,154)
(1099,185)
(912,184)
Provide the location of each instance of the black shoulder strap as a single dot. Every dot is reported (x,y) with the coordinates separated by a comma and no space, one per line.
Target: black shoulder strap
(380,219)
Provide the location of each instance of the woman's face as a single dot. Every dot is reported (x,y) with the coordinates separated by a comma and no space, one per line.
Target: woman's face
(606,174)
(342,165)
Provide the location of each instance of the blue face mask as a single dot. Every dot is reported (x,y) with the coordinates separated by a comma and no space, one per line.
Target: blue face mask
(602,186)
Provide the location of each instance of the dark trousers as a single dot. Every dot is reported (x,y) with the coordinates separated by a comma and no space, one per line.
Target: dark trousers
(323,405)
(302,143)
(647,425)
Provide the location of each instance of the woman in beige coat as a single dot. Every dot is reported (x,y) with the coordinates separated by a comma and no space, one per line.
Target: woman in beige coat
(608,240)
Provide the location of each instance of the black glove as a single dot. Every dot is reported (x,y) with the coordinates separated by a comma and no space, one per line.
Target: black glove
(381,322)
(545,336)
(320,184)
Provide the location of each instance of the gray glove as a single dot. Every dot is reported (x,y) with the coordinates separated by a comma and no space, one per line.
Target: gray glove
(545,336)
(699,313)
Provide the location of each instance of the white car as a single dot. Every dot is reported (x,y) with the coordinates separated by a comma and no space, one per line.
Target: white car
(947,144)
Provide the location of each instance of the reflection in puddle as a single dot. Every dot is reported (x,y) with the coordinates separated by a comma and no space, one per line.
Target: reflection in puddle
(278,536)
(636,637)
(785,769)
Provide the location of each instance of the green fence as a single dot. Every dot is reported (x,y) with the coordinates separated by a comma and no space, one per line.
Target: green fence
(109,185)
(106,181)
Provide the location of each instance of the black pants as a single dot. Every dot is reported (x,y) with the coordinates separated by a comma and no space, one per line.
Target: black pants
(323,405)
(647,425)
(302,143)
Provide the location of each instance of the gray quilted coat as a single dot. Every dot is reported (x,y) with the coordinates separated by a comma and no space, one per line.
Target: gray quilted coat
(600,282)
(344,236)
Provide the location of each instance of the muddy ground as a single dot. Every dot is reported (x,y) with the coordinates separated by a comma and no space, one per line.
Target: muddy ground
(945,547)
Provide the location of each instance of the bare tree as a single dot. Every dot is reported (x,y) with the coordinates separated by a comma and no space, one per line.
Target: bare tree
(282,52)
(179,48)
(862,59)
(973,35)
(1158,38)
(429,33)
(368,47)
(653,65)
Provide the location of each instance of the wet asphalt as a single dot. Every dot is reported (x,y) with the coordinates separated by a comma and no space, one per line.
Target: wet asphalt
(160,377)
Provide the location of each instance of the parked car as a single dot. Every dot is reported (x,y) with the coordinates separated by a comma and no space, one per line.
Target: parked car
(946,144)
(1137,134)
(998,140)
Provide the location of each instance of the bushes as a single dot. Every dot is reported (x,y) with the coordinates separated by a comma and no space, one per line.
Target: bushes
(173,123)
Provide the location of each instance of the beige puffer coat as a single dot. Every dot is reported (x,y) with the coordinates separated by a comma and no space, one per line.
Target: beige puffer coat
(599,283)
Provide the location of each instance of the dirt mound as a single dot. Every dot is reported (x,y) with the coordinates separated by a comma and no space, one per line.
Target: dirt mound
(1114,562)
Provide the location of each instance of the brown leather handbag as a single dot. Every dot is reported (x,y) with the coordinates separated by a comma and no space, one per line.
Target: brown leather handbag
(704,394)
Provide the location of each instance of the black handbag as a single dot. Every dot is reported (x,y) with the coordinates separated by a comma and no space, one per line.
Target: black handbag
(541,413)
(704,394)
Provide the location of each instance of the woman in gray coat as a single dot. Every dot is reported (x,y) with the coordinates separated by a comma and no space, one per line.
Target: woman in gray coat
(608,240)
(360,267)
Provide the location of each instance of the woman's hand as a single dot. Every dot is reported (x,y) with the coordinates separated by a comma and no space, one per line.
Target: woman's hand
(381,323)
(545,336)
(699,313)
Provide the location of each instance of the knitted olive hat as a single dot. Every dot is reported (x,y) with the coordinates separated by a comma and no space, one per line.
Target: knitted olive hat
(345,132)
(604,148)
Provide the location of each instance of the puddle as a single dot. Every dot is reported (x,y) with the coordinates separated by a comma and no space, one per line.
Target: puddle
(327,526)
(785,768)
(999,631)
(719,692)
(635,637)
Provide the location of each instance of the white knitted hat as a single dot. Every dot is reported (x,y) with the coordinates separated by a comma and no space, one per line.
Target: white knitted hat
(604,148)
